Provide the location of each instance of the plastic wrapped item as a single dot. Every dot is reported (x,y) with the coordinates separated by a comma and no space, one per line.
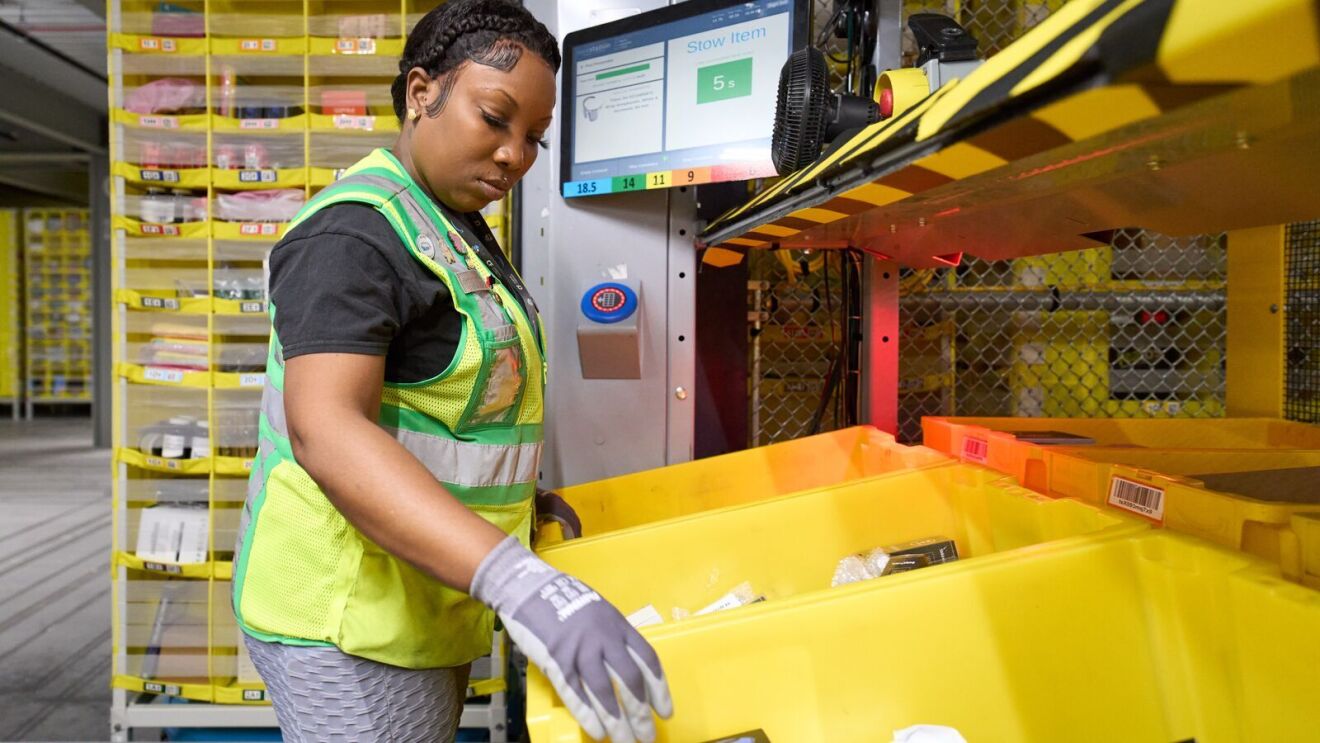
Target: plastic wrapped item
(894,558)
(169,95)
(928,734)
(273,205)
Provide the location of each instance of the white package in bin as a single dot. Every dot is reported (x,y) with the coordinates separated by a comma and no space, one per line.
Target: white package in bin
(173,534)
(645,617)
(741,595)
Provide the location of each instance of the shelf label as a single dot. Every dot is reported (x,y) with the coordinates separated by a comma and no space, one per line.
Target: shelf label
(259,229)
(975,450)
(160,230)
(364,45)
(250,307)
(247,464)
(362,123)
(157,44)
(257,176)
(252,380)
(254,695)
(153,687)
(163,567)
(1139,498)
(157,374)
(258,45)
(159,122)
(159,176)
(160,303)
(259,123)
(169,464)
(339,173)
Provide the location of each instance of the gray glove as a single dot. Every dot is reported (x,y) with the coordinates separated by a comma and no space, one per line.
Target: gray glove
(605,672)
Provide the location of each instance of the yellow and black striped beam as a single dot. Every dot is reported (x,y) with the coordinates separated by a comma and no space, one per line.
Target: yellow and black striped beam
(1110,111)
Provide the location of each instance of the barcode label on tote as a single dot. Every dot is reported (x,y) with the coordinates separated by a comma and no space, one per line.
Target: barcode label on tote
(975,450)
(1140,499)
(252,380)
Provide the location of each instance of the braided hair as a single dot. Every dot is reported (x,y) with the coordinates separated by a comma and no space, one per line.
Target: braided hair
(489,32)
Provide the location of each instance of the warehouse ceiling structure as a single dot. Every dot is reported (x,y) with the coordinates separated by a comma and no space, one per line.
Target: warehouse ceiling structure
(53,106)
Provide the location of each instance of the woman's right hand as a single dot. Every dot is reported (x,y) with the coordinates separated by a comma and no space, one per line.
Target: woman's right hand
(605,672)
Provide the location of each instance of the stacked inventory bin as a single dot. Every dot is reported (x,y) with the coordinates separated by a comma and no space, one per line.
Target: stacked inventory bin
(11,297)
(226,117)
(57,307)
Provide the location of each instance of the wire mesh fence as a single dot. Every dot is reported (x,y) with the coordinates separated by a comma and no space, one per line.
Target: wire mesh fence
(1134,329)
(1302,322)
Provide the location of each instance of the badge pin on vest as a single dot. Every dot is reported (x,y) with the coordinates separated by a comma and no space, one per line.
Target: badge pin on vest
(426,245)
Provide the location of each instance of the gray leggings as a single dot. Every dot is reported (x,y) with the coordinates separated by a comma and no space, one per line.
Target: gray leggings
(322,694)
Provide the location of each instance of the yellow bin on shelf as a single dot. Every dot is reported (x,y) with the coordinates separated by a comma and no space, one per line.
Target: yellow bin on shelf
(1012,445)
(1240,498)
(732,479)
(788,548)
(1126,635)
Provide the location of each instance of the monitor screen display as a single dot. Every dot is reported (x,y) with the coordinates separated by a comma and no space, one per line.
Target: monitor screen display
(679,96)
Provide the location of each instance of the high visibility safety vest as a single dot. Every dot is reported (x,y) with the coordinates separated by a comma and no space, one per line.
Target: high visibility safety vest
(302,574)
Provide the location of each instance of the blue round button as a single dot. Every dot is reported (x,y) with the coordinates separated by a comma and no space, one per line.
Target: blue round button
(609,303)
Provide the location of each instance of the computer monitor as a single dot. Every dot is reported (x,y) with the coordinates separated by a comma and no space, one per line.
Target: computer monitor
(679,96)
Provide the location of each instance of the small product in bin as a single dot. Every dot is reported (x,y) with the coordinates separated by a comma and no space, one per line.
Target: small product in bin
(741,595)
(645,617)
(894,558)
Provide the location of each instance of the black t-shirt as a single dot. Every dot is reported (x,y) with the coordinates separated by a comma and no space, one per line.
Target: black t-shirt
(342,282)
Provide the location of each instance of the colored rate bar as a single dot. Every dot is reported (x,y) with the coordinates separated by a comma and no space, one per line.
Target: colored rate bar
(667,179)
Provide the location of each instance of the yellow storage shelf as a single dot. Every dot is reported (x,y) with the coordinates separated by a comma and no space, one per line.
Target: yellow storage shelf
(240,180)
(135,458)
(191,570)
(788,549)
(1138,636)
(163,177)
(11,326)
(281,51)
(257,46)
(266,231)
(163,45)
(184,123)
(346,123)
(181,230)
(287,125)
(147,302)
(163,376)
(197,692)
(734,479)
(322,46)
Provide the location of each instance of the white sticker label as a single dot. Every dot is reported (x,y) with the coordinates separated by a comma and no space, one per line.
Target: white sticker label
(159,176)
(253,695)
(363,123)
(250,307)
(258,228)
(258,45)
(160,303)
(160,230)
(257,176)
(1141,499)
(157,374)
(251,380)
(159,122)
(975,450)
(259,124)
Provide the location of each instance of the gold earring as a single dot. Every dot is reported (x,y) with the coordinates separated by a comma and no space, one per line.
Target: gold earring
(412,114)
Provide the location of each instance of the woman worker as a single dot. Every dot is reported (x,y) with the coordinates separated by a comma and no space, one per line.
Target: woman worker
(391,497)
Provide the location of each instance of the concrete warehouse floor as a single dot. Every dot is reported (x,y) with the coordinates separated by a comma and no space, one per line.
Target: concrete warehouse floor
(54,582)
